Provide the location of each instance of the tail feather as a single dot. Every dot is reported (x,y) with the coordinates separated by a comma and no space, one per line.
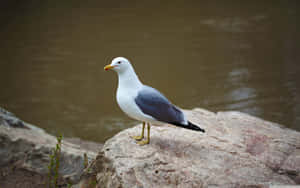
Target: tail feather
(190,126)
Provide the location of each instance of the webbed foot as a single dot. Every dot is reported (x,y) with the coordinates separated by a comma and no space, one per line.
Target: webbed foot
(138,138)
(144,142)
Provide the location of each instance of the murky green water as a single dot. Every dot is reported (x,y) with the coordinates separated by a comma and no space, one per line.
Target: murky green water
(221,55)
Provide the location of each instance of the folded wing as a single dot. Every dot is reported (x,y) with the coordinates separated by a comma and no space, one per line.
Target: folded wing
(156,105)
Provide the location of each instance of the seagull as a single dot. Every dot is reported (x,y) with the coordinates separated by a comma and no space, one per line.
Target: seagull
(144,103)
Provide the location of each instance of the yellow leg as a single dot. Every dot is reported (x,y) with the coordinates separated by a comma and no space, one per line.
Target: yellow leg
(147,141)
(138,138)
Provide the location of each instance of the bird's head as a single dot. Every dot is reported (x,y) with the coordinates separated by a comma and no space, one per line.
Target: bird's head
(118,64)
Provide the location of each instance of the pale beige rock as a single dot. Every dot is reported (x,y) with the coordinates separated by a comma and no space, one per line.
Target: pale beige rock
(26,147)
(237,150)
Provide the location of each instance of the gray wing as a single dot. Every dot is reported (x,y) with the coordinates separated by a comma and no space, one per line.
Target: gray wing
(155,104)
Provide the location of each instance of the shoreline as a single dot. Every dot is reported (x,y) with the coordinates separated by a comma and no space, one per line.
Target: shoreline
(249,150)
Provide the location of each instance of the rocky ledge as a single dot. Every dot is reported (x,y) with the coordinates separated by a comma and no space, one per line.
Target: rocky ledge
(237,150)
(25,154)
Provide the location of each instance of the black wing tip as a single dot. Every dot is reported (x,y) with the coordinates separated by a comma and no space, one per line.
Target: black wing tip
(190,126)
(195,127)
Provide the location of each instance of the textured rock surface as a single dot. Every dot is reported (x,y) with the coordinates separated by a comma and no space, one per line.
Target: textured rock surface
(27,148)
(237,150)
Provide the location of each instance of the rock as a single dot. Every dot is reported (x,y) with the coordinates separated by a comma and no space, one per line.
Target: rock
(26,149)
(9,119)
(237,150)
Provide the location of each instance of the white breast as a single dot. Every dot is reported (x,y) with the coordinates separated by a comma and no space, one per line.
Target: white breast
(126,101)
(128,87)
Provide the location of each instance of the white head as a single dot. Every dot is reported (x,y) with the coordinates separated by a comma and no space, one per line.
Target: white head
(119,64)
(126,74)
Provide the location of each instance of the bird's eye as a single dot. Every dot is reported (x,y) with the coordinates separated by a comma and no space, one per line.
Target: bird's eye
(119,62)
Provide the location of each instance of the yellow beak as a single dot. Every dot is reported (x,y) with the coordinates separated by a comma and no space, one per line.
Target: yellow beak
(107,67)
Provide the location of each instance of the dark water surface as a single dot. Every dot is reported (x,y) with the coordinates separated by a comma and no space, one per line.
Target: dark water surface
(217,55)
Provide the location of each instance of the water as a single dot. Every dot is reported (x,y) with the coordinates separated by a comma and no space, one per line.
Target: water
(217,55)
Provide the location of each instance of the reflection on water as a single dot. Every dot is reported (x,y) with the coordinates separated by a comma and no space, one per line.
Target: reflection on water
(218,55)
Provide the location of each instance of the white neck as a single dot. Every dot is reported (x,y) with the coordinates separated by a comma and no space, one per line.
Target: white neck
(128,79)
